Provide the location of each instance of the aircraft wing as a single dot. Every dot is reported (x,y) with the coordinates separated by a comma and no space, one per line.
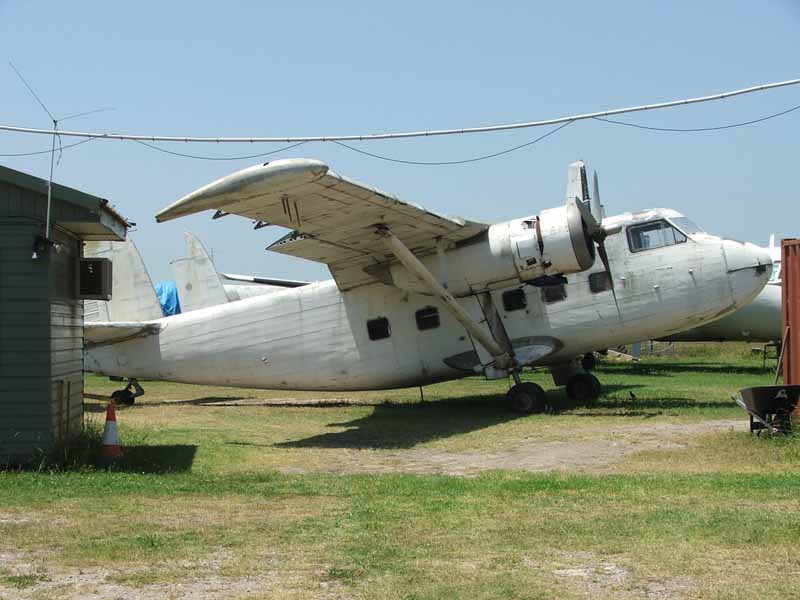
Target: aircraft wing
(333,218)
(102,333)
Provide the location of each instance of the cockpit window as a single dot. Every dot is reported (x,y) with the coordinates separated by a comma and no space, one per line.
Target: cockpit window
(686,225)
(655,234)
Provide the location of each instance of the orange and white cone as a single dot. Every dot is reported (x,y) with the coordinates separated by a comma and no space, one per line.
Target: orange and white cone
(111,450)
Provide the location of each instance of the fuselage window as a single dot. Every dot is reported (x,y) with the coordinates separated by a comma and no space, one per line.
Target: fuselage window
(378,329)
(427,318)
(655,234)
(599,282)
(554,293)
(514,300)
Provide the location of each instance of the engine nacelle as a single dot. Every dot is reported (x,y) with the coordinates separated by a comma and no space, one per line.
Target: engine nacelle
(551,243)
(554,242)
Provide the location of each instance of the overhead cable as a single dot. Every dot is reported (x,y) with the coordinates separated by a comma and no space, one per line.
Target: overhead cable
(436,163)
(454,162)
(214,157)
(696,129)
(48,150)
(410,134)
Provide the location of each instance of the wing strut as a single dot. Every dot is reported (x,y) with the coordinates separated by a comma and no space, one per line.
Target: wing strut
(503,359)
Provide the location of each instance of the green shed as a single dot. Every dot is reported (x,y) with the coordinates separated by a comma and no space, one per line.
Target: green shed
(41,313)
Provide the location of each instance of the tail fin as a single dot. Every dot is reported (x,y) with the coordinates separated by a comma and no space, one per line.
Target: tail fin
(132,294)
(199,284)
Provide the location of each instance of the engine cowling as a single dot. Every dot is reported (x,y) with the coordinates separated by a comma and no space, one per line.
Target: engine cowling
(551,243)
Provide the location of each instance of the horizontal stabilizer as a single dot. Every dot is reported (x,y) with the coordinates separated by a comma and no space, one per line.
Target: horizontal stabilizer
(284,283)
(103,333)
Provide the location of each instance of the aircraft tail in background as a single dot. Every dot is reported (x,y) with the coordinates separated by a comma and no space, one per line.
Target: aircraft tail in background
(199,285)
(133,298)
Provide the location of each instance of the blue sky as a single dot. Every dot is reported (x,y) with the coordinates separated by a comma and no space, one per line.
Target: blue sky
(262,68)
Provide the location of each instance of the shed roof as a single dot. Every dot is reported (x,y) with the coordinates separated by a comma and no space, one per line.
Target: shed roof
(86,216)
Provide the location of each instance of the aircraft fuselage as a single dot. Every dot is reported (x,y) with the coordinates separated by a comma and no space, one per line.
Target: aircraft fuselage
(317,337)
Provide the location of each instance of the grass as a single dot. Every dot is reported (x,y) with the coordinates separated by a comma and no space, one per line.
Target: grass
(259,498)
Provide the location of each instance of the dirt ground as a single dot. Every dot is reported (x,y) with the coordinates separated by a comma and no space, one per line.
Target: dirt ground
(604,447)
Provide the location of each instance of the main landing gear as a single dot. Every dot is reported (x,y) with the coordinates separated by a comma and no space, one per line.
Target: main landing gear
(129,394)
(583,387)
(529,398)
(526,398)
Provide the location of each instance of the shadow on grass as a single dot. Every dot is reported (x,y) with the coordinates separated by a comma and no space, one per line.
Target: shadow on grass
(671,368)
(667,403)
(233,402)
(391,426)
(156,459)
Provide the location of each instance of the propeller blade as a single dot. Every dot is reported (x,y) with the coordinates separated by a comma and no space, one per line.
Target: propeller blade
(597,208)
(593,227)
(601,250)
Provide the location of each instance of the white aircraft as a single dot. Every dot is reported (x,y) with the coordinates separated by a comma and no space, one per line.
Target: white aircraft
(418,297)
(759,321)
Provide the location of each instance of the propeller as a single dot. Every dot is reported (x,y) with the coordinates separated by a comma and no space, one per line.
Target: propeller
(592,215)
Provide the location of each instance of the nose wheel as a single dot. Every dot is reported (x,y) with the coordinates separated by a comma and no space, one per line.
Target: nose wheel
(583,387)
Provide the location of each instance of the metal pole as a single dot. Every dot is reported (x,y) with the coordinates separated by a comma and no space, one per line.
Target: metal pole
(50,181)
(413,264)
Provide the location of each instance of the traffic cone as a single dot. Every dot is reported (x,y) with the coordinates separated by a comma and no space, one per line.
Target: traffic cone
(111,450)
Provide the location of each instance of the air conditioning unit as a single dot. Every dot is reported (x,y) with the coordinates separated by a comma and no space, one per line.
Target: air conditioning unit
(94,279)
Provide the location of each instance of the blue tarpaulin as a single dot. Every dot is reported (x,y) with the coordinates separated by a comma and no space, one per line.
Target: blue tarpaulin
(167,293)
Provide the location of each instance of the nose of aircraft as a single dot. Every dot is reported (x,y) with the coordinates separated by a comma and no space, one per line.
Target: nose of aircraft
(749,268)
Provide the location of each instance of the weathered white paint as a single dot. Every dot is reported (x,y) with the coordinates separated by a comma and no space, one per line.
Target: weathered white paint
(315,337)
(132,289)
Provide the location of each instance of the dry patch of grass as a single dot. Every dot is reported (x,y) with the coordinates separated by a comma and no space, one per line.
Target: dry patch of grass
(228,493)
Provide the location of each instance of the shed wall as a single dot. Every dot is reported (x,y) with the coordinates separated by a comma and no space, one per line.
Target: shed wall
(25,414)
(66,338)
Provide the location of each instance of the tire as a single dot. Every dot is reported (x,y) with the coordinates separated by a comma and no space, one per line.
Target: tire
(123,397)
(527,399)
(583,387)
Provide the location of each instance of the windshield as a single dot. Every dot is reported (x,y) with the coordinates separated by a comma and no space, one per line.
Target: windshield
(653,234)
(686,225)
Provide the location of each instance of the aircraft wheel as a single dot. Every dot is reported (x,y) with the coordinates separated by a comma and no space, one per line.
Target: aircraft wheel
(527,398)
(589,361)
(583,387)
(123,397)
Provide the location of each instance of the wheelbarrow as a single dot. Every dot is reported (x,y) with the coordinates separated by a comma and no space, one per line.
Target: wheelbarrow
(770,407)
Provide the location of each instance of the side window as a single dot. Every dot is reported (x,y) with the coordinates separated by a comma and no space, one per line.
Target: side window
(514,300)
(378,329)
(427,318)
(554,293)
(655,234)
(599,282)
